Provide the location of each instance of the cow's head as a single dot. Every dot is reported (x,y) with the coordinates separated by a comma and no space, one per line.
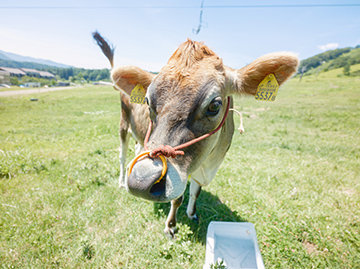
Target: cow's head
(187,99)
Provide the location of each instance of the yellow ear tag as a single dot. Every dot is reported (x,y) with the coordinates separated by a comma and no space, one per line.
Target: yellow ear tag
(267,89)
(138,95)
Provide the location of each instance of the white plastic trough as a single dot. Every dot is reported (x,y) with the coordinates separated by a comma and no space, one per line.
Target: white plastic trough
(234,243)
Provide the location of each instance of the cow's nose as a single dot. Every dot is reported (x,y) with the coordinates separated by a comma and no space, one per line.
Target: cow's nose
(144,179)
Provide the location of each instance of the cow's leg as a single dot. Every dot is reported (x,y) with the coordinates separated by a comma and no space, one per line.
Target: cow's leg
(124,144)
(170,224)
(195,190)
(137,148)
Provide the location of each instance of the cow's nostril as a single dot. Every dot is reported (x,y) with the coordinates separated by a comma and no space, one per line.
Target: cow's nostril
(158,188)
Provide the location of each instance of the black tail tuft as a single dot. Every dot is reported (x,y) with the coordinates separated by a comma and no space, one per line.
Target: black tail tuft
(105,47)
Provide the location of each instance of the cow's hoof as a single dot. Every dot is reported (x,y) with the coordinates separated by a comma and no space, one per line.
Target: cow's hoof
(170,232)
(195,219)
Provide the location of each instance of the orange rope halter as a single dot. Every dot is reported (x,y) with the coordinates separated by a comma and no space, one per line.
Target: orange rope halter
(169,151)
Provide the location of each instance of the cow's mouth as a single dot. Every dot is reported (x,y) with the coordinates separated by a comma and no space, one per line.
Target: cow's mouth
(144,181)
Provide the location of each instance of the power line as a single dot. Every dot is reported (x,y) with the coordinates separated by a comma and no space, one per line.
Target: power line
(196,31)
(181,7)
(283,6)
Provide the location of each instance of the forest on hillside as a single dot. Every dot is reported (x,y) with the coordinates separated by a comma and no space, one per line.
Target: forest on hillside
(332,59)
(62,73)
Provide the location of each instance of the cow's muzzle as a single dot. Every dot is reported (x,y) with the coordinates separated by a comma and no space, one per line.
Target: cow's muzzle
(146,181)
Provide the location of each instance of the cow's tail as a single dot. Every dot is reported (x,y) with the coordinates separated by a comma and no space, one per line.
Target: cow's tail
(107,49)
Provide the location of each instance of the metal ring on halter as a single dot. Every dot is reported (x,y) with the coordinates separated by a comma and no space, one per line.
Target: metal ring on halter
(164,168)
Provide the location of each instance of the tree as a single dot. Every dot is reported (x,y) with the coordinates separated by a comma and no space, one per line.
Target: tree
(93,75)
(346,69)
(104,74)
(80,76)
(69,72)
(14,81)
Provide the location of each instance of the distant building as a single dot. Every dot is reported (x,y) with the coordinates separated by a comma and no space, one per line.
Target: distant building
(20,72)
(4,77)
(31,72)
(14,72)
(32,84)
(63,84)
(46,74)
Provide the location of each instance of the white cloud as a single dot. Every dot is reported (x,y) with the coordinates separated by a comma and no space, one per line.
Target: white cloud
(329,46)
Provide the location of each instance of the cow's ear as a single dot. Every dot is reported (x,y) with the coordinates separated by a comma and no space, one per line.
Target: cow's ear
(127,77)
(281,64)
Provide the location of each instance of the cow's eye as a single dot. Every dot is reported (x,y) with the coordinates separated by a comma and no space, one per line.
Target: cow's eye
(152,114)
(214,107)
(151,110)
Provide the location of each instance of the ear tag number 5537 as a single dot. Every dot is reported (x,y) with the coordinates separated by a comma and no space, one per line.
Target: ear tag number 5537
(267,89)
(138,94)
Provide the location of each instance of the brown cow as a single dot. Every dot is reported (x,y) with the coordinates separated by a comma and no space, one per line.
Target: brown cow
(187,99)
(134,118)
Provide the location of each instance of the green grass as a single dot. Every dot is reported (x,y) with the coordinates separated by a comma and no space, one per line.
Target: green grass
(294,174)
(15,88)
(332,74)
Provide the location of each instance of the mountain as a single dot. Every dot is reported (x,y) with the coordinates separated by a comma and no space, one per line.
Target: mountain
(14,64)
(331,59)
(8,56)
(4,57)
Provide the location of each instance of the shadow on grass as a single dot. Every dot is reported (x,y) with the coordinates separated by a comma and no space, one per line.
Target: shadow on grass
(208,208)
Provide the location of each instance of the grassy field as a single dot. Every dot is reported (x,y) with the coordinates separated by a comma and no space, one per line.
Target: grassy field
(294,174)
(16,88)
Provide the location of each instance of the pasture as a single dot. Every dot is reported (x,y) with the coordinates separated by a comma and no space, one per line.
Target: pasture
(294,174)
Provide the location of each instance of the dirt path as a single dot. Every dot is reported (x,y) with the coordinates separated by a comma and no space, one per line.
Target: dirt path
(32,91)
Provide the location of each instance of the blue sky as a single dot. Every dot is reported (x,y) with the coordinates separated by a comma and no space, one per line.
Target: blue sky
(147,32)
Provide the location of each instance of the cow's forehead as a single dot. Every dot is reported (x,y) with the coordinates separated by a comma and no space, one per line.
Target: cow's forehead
(192,67)
(192,53)
(190,91)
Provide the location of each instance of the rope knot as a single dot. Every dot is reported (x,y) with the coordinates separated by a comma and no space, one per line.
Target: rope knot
(167,151)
